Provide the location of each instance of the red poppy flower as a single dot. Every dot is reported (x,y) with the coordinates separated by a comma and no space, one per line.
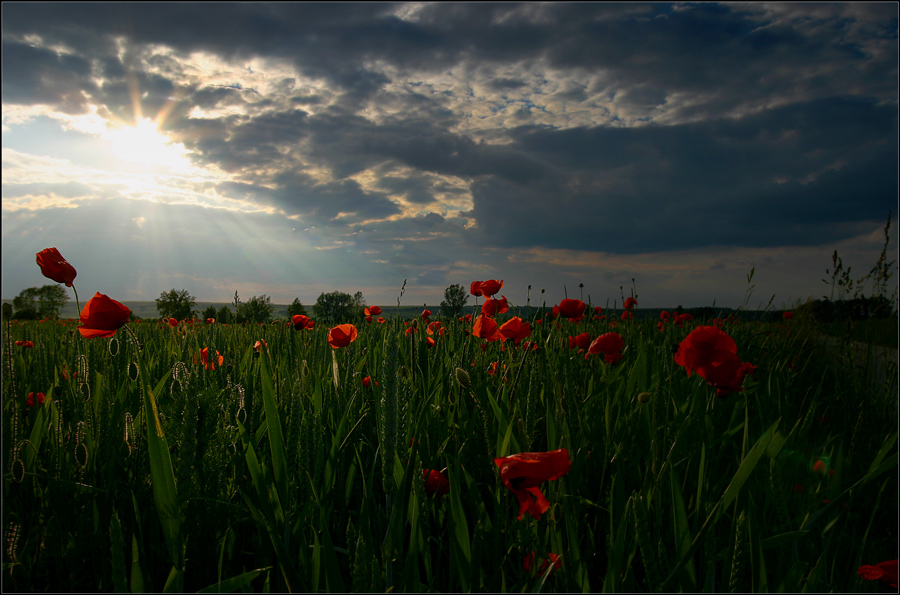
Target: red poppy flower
(102,316)
(55,267)
(582,341)
(529,561)
(515,329)
(380,320)
(429,342)
(434,326)
(610,345)
(260,343)
(486,328)
(342,335)
(492,307)
(372,311)
(627,315)
(33,399)
(25,344)
(703,348)
(630,303)
(486,288)
(173,322)
(886,572)
(726,376)
(435,482)
(787,315)
(524,472)
(572,309)
(426,313)
(467,318)
(664,315)
(369,319)
(598,310)
(410,330)
(301,322)
(682,318)
(660,325)
(205,360)
(367,382)
(210,321)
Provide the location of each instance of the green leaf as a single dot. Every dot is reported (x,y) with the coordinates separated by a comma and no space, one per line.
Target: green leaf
(240,582)
(273,423)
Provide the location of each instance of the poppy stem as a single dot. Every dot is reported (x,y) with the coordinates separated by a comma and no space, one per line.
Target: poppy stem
(133,337)
(77,303)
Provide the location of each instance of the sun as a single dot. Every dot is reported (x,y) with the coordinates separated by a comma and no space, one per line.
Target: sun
(143,143)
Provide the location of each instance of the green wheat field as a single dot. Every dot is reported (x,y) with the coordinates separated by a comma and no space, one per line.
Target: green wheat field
(150,468)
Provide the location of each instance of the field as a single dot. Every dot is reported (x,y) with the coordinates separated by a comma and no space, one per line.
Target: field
(298,466)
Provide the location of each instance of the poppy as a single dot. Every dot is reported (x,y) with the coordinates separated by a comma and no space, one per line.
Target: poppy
(787,315)
(301,322)
(492,306)
(55,267)
(25,344)
(210,321)
(435,482)
(627,315)
(598,310)
(410,330)
(367,382)
(173,322)
(260,343)
(204,359)
(630,303)
(582,341)
(486,288)
(372,311)
(886,572)
(703,348)
(429,342)
(369,319)
(726,376)
(571,309)
(102,316)
(610,345)
(380,320)
(426,313)
(682,318)
(524,472)
(434,326)
(467,318)
(515,329)
(660,325)
(342,335)
(486,328)
(529,561)
(33,399)
(664,315)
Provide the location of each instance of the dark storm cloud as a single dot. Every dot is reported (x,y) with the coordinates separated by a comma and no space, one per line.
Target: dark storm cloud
(796,175)
(771,124)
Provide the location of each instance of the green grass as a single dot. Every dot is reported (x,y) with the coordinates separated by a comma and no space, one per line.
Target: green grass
(280,471)
(876,332)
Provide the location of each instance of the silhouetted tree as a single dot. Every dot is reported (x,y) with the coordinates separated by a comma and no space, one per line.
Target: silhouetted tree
(178,304)
(337,307)
(224,315)
(40,302)
(455,298)
(209,312)
(256,309)
(296,308)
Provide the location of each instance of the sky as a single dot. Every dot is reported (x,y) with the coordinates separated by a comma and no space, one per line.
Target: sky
(587,150)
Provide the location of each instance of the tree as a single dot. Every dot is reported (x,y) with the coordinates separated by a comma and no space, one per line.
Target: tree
(178,304)
(256,309)
(296,308)
(40,302)
(337,307)
(455,298)
(224,315)
(210,312)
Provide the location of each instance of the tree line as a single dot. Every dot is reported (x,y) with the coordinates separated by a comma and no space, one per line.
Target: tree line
(335,307)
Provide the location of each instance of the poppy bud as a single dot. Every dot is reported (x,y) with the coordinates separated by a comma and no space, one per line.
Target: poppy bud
(644,397)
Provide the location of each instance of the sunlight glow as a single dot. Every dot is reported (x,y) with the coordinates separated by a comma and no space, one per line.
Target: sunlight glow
(145,144)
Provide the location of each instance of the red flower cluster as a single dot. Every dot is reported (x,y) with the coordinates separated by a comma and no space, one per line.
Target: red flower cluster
(571,309)
(205,360)
(712,354)
(372,311)
(302,322)
(886,572)
(492,306)
(25,344)
(524,472)
(582,341)
(528,562)
(630,303)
